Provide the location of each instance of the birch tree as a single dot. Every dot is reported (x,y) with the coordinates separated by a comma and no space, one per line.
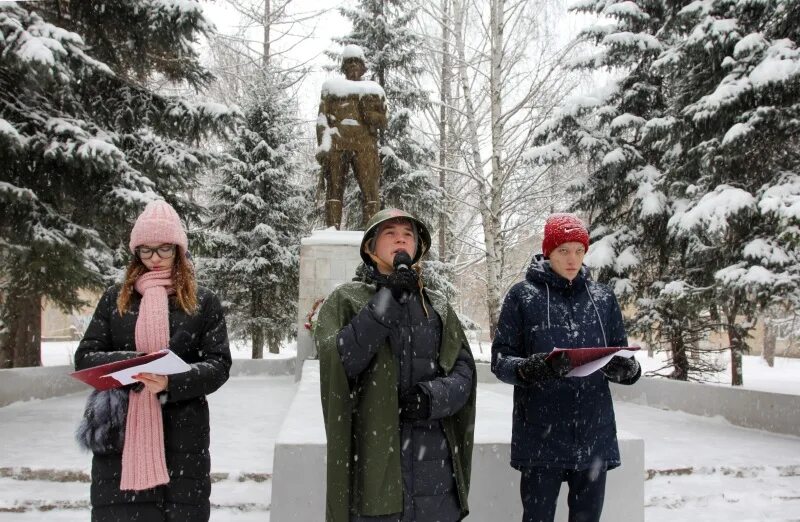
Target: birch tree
(507,73)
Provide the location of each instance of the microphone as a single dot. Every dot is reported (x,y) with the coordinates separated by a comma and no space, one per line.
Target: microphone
(402,261)
(402,264)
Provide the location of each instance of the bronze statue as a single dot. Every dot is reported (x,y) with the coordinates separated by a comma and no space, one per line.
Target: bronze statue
(351,112)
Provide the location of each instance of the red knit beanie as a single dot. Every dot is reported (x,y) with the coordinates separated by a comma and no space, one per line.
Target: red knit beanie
(563,228)
(158,223)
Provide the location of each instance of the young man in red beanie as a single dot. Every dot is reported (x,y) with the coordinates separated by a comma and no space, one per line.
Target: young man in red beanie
(563,427)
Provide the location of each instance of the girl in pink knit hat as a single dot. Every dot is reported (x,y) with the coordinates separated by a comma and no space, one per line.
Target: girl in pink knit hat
(159,467)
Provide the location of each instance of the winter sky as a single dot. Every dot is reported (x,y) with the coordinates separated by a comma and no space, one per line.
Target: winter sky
(321,30)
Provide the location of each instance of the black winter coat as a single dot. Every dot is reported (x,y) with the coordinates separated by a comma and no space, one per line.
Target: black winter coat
(429,485)
(563,423)
(110,337)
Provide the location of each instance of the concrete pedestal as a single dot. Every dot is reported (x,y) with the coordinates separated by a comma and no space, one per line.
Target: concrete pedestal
(298,481)
(327,258)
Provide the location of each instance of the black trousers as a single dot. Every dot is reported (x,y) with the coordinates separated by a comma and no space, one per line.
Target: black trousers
(539,489)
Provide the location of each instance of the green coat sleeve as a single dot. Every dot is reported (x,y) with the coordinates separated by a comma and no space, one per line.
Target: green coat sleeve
(460,427)
(337,406)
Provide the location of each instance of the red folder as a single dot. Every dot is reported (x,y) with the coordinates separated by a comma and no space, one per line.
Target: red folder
(96,376)
(581,356)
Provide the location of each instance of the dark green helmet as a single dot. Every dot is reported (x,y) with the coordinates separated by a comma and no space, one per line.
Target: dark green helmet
(387,214)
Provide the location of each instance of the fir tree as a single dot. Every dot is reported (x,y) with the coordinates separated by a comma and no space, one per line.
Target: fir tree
(259,215)
(715,161)
(85,143)
(620,132)
(381,29)
(735,77)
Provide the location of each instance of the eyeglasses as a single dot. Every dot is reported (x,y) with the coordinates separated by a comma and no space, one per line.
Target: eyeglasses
(164,252)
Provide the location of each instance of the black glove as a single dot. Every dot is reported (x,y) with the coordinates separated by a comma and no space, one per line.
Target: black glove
(415,405)
(537,367)
(385,308)
(404,280)
(620,369)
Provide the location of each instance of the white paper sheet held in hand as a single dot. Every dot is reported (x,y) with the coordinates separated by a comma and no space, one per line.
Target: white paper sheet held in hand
(591,367)
(167,365)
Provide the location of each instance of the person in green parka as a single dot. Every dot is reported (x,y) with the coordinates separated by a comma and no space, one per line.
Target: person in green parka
(397,386)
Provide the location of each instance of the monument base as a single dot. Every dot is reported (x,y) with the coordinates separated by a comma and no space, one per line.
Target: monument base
(298,480)
(328,258)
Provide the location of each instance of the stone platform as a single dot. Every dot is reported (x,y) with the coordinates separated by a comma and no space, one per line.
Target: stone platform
(298,488)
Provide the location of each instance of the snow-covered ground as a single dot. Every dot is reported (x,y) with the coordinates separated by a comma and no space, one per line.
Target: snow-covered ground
(41,466)
(701,469)
(784,377)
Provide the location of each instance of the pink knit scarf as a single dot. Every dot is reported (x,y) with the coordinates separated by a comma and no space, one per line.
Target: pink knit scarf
(144,465)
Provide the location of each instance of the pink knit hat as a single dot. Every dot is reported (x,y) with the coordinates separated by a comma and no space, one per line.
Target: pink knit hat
(563,228)
(158,223)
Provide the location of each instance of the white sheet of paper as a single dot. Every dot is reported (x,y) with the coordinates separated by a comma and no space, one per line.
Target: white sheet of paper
(591,367)
(167,365)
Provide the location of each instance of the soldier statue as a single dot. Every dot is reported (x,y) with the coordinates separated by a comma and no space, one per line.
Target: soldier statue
(351,113)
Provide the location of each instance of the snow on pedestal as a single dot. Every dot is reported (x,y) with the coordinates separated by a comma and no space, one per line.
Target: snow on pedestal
(328,258)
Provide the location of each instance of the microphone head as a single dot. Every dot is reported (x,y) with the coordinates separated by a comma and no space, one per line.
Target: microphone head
(402,259)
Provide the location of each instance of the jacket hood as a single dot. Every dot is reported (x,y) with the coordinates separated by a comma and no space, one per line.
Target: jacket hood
(539,271)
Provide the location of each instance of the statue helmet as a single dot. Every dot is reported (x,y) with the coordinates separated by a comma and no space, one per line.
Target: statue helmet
(388,214)
(353,52)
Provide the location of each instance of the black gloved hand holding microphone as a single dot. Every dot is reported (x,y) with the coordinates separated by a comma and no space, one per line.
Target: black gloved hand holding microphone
(404,280)
(386,304)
